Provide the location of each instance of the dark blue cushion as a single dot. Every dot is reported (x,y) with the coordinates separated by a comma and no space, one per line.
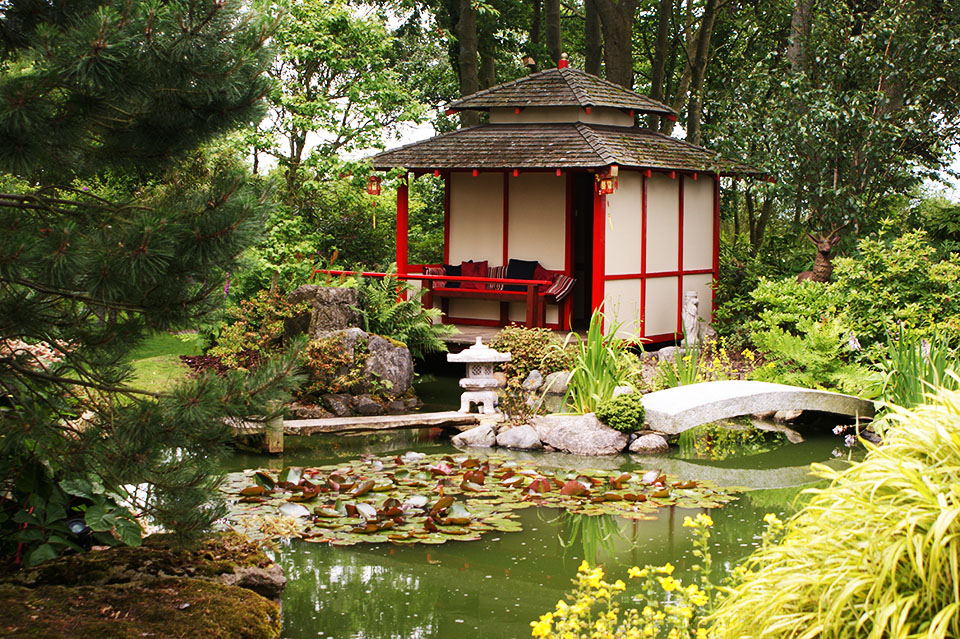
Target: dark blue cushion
(450,269)
(520,270)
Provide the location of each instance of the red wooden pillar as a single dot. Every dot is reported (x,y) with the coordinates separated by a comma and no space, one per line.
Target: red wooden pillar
(402,226)
(599,249)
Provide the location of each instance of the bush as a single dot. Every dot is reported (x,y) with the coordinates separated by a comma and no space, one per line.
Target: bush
(899,281)
(254,329)
(624,412)
(530,349)
(914,366)
(874,554)
(817,356)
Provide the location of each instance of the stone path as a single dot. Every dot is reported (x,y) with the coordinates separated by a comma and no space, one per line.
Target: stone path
(675,410)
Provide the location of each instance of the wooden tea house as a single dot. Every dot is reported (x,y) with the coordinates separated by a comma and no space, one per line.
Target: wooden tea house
(563,195)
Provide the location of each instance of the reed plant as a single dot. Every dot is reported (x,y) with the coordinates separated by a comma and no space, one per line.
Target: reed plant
(914,365)
(600,364)
(876,554)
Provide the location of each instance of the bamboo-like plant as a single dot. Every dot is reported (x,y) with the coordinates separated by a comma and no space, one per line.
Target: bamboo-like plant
(914,366)
(876,553)
(601,363)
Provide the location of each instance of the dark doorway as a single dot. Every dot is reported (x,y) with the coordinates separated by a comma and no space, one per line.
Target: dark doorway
(583,186)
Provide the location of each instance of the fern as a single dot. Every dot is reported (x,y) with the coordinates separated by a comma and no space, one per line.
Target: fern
(393,309)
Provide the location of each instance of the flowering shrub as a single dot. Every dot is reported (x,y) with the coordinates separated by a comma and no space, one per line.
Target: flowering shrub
(669,609)
(255,329)
(530,348)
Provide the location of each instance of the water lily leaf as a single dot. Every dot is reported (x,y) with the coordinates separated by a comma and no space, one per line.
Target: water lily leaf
(415,501)
(264,480)
(291,475)
(660,493)
(323,511)
(469,486)
(540,485)
(441,504)
(470,463)
(294,510)
(362,488)
(513,480)
(652,477)
(474,476)
(457,515)
(617,483)
(250,491)
(366,511)
(573,488)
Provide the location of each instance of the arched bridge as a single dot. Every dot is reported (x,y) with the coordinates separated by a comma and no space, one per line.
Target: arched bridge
(675,410)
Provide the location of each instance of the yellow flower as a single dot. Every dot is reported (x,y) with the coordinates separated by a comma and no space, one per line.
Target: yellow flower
(540,628)
(619,585)
(666,569)
(772,520)
(668,583)
(635,572)
(584,566)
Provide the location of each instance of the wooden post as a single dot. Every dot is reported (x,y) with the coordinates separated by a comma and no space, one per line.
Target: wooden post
(599,248)
(273,434)
(402,226)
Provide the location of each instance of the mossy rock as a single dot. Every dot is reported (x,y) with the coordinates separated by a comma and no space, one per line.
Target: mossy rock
(161,608)
(217,555)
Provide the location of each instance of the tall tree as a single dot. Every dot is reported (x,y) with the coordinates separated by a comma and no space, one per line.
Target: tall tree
(616,21)
(593,39)
(115,92)
(340,85)
(551,16)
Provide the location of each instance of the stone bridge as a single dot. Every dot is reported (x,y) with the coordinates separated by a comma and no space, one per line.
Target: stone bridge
(675,410)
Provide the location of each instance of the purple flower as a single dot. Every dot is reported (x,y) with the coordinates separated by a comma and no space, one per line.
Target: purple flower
(838,430)
(849,440)
(853,342)
(226,289)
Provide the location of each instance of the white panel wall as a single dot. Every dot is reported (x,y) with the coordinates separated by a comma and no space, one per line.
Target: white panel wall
(622,305)
(476,217)
(624,225)
(702,284)
(697,223)
(663,229)
(537,222)
(474,309)
(661,306)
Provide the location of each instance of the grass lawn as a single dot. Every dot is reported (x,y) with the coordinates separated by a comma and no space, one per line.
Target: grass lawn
(156,363)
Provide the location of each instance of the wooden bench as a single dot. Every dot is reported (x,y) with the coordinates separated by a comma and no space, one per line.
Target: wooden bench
(533,295)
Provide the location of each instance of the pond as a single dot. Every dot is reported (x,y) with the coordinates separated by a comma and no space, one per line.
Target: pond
(494,587)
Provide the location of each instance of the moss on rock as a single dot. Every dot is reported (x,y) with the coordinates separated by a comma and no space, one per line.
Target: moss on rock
(156,590)
(166,607)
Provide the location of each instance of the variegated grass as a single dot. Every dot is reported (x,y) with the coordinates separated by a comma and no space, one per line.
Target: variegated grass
(874,555)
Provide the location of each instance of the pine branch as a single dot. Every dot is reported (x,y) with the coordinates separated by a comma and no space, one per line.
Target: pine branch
(68,381)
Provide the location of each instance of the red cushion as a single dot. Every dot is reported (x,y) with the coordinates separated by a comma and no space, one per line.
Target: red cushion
(473,269)
(541,273)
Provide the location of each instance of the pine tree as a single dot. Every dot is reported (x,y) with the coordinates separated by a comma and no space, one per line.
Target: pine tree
(115,220)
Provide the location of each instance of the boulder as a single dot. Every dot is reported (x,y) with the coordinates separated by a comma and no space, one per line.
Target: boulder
(650,443)
(623,390)
(482,435)
(501,379)
(367,405)
(388,367)
(338,403)
(533,381)
(556,383)
(521,437)
(267,582)
(583,435)
(669,353)
(787,416)
(332,308)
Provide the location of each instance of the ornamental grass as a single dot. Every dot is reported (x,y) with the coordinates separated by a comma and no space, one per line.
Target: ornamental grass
(875,554)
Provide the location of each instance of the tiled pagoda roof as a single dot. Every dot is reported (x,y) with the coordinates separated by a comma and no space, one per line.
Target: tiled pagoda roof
(560,88)
(556,146)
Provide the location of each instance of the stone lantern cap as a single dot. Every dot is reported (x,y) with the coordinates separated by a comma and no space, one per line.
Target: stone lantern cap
(479,353)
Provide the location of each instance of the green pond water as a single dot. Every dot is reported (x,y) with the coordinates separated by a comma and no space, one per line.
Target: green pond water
(494,587)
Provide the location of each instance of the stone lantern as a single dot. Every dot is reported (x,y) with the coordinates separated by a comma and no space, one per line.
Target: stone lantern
(479,385)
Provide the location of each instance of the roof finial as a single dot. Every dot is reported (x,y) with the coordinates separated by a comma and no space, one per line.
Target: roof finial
(563,64)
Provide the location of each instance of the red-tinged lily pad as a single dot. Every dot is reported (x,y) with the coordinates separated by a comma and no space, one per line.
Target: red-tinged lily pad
(390,504)
(573,488)
(291,475)
(251,491)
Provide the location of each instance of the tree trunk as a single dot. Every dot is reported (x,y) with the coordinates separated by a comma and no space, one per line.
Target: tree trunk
(699,71)
(592,38)
(551,14)
(466,32)
(799,32)
(616,22)
(535,22)
(661,49)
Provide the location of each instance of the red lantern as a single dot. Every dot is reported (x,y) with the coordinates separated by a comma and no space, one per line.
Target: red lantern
(607,181)
(373,185)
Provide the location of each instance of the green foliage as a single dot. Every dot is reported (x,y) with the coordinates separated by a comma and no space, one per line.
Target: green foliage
(914,366)
(816,356)
(519,405)
(941,220)
(873,555)
(331,368)
(785,304)
(124,209)
(624,412)
(255,329)
(600,364)
(899,280)
(530,349)
(403,320)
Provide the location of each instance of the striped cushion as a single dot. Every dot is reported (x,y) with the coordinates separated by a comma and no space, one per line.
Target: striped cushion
(436,270)
(496,271)
(561,287)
